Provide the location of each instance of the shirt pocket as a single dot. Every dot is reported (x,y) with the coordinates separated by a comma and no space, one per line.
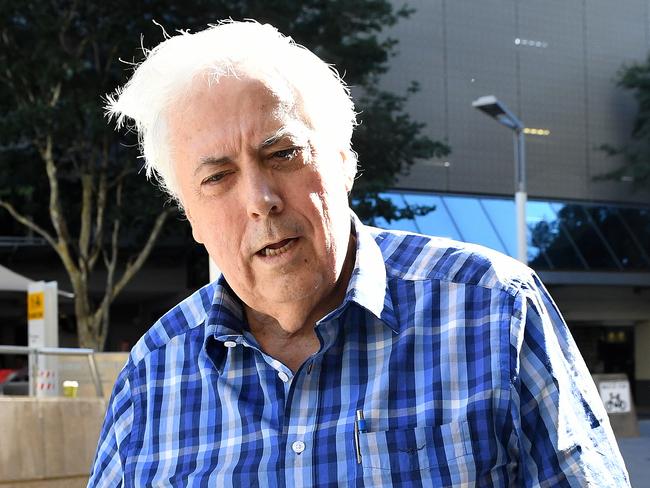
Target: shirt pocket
(431,456)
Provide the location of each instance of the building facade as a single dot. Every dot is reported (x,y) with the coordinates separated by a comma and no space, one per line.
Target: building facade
(555,65)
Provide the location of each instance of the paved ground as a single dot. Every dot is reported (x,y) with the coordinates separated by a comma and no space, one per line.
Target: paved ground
(636,452)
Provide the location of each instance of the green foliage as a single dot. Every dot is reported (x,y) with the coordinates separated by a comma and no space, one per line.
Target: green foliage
(388,143)
(635,77)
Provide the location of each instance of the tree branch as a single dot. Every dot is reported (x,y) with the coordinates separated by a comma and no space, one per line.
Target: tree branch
(27,222)
(118,179)
(100,207)
(111,264)
(133,267)
(86,218)
(56,214)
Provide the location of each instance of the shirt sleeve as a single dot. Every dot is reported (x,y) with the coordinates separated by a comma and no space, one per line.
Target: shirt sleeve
(563,435)
(108,466)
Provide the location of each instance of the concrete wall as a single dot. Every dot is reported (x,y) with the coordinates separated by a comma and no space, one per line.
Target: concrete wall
(48,442)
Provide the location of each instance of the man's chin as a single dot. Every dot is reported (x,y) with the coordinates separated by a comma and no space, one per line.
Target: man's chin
(290,288)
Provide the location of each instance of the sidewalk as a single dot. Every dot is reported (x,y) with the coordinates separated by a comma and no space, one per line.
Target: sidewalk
(636,452)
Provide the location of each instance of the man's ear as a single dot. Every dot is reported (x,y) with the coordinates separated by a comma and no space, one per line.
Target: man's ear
(195,230)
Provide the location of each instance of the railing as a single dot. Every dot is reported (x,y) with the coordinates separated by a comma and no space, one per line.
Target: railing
(35,352)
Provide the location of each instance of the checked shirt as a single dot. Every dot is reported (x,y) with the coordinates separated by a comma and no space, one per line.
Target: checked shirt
(456,355)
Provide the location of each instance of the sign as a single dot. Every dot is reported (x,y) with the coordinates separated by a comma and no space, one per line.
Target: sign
(43,331)
(35,305)
(615,396)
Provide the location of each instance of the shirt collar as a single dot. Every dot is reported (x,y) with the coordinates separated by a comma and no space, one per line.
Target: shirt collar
(368,288)
(368,285)
(226,315)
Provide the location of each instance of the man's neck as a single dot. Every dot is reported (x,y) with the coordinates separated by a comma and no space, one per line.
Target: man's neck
(288,333)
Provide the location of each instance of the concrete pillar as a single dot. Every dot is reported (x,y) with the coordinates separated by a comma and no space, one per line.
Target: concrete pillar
(642,364)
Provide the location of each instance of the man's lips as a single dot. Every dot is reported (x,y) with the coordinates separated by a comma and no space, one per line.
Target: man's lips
(277,248)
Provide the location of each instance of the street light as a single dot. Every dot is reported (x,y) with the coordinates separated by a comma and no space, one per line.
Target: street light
(499,112)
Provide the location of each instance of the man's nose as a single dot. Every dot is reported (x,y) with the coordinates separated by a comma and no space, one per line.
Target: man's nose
(262,195)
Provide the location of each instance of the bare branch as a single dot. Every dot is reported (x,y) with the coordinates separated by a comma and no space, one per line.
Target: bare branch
(65,23)
(133,267)
(100,206)
(86,217)
(58,220)
(56,94)
(27,222)
(118,179)
(111,264)
(56,214)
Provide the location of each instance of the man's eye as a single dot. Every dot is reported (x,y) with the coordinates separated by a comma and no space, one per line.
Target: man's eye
(214,178)
(287,154)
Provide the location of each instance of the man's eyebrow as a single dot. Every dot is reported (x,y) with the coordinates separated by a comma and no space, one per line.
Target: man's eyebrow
(283,132)
(211,161)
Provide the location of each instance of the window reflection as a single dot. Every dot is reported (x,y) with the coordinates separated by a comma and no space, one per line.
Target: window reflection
(403,224)
(549,238)
(435,223)
(502,214)
(473,222)
(561,236)
(574,219)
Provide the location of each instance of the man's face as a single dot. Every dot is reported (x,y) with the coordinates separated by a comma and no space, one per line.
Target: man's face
(263,193)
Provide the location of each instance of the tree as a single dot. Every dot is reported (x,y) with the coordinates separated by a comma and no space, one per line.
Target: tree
(60,57)
(635,77)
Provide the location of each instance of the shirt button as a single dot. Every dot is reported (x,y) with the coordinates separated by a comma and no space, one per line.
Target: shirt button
(298,447)
(230,343)
(283,376)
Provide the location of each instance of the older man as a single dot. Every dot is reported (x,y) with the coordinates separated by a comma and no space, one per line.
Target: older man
(328,353)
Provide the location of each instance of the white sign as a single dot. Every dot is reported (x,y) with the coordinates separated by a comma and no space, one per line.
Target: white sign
(43,331)
(616,396)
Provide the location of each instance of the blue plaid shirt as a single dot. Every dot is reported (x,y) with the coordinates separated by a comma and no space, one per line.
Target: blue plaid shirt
(459,360)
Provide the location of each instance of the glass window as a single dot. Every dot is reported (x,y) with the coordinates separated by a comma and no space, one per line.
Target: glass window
(637,220)
(437,222)
(473,222)
(619,238)
(575,220)
(550,248)
(402,224)
(561,236)
(502,215)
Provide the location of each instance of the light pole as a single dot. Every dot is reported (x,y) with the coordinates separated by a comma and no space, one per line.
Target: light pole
(499,112)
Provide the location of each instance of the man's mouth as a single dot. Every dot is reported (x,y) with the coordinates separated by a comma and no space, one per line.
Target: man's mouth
(277,248)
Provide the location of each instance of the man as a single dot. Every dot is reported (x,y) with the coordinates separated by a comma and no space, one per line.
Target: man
(328,353)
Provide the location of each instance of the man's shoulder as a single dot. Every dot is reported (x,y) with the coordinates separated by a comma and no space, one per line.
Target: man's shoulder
(411,256)
(188,315)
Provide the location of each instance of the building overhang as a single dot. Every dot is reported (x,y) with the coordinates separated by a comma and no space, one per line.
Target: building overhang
(595,278)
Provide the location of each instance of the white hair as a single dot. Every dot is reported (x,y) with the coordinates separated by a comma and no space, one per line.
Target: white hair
(228,49)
